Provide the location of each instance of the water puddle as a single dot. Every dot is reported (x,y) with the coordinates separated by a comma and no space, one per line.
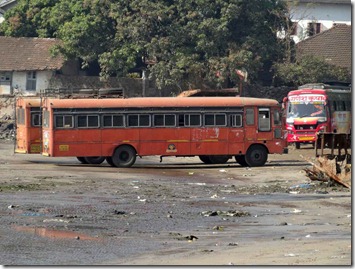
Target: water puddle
(54,234)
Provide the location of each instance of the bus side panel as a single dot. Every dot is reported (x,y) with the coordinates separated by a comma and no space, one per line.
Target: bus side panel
(209,141)
(165,141)
(34,145)
(77,142)
(21,139)
(113,137)
(236,141)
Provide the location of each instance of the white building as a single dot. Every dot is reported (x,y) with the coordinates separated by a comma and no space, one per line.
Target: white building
(311,17)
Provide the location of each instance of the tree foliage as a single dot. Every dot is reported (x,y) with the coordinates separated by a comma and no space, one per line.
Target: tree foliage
(184,40)
(309,69)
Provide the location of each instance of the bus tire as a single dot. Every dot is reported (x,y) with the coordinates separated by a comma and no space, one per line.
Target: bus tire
(240,159)
(124,156)
(94,160)
(110,162)
(256,155)
(219,159)
(205,159)
(298,145)
(82,160)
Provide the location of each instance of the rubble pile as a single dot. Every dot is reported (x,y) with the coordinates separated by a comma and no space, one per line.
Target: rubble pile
(7,119)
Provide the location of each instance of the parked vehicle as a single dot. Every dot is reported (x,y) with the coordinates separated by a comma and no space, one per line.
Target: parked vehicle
(315,108)
(213,128)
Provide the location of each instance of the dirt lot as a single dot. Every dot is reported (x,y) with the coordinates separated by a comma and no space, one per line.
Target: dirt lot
(56,211)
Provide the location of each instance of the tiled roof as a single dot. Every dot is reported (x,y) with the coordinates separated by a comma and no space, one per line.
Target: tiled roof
(26,53)
(334,45)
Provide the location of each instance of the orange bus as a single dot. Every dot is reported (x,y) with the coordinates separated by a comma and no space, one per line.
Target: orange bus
(29,129)
(213,128)
(28,125)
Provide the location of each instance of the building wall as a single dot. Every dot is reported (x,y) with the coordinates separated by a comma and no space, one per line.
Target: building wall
(325,13)
(19,79)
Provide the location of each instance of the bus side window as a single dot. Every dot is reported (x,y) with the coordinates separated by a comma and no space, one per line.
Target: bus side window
(62,121)
(181,120)
(277,117)
(36,119)
(264,119)
(192,120)
(250,116)
(237,120)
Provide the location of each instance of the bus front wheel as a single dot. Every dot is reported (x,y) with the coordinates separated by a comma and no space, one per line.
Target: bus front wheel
(256,156)
(124,156)
(241,160)
(94,160)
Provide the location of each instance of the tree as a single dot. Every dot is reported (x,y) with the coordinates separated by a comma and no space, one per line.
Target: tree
(309,69)
(175,41)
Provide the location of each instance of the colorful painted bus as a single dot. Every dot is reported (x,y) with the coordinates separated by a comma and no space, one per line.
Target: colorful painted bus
(213,128)
(316,108)
(28,125)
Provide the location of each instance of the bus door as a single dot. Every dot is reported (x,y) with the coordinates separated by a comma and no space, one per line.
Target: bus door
(236,133)
(250,125)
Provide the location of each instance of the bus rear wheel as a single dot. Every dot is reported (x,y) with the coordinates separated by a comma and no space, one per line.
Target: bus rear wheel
(205,159)
(298,145)
(110,162)
(241,160)
(218,159)
(124,156)
(94,160)
(82,160)
(256,156)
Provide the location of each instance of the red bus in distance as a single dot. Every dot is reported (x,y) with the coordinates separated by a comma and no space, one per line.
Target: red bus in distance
(213,128)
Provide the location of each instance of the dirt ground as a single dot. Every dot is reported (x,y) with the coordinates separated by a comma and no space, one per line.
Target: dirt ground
(56,211)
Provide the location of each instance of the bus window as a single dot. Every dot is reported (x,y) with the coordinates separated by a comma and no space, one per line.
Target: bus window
(348,105)
(164,120)
(36,120)
(215,119)
(237,120)
(62,121)
(136,120)
(264,119)
(250,116)
(192,120)
(113,121)
(85,121)
(277,118)
(340,106)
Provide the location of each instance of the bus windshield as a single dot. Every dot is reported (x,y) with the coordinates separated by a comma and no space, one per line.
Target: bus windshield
(300,110)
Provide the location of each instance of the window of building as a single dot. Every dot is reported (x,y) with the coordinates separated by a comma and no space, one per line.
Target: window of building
(313,28)
(5,77)
(293,28)
(31,81)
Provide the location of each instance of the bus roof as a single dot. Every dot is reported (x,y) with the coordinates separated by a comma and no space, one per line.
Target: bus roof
(28,102)
(161,102)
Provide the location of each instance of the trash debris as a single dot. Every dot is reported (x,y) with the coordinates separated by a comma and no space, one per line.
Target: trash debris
(229,213)
(233,244)
(218,228)
(296,211)
(214,196)
(291,255)
(191,173)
